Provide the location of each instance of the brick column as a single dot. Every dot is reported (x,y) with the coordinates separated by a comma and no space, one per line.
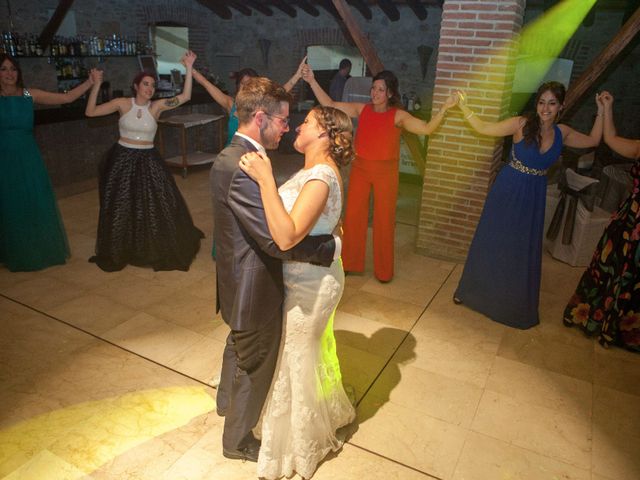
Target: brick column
(476,54)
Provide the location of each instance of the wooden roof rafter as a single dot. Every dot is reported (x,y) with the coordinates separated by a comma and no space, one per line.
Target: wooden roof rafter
(260,7)
(307,7)
(219,8)
(418,9)
(389,9)
(285,7)
(362,7)
(578,88)
(240,7)
(54,23)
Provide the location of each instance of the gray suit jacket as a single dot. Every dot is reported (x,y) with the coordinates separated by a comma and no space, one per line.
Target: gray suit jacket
(249,283)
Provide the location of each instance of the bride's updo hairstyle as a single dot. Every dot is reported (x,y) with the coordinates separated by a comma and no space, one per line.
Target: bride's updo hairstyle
(339,129)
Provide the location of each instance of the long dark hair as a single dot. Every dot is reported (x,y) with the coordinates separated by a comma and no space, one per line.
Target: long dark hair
(245,72)
(391,81)
(531,130)
(14,62)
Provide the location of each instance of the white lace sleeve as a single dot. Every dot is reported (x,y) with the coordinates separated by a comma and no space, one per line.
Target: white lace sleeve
(323,173)
(333,209)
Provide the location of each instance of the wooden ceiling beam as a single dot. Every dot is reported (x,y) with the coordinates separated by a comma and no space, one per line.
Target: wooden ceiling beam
(260,7)
(54,23)
(418,9)
(389,10)
(307,7)
(240,7)
(362,42)
(285,7)
(220,9)
(600,64)
(362,7)
(330,8)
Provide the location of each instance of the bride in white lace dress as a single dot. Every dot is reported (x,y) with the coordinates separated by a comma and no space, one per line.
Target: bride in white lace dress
(307,402)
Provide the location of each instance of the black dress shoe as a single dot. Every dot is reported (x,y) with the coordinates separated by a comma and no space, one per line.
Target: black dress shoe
(249,453)
(457,301)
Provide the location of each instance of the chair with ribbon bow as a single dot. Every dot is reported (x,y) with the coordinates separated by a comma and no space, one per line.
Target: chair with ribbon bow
(581,221)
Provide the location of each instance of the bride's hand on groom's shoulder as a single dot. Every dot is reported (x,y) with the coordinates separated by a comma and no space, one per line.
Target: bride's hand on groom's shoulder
(257,166)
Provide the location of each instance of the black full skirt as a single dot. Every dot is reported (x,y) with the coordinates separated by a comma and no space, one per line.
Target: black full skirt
(144,220)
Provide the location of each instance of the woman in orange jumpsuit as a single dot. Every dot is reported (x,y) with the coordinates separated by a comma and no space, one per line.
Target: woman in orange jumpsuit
(375,167)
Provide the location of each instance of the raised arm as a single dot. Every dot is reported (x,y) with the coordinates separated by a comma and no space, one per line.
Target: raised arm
(622,146)
(170,103)
(221,98)
(50,98)
(415,125)
(295,77)
(94,110)
(492,129)
(287,229)
(353,109)
(573,138)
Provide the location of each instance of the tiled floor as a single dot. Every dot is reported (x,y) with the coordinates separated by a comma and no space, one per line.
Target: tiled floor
(106,375)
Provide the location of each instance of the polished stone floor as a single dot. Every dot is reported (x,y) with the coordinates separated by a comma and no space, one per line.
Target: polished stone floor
(108,375)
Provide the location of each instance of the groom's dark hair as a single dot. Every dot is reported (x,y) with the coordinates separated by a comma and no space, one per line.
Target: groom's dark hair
(257,94)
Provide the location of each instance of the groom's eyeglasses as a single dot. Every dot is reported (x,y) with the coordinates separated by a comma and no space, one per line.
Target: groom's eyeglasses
(284,120)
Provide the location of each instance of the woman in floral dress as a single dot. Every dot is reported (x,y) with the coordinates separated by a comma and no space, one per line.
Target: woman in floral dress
(607,300)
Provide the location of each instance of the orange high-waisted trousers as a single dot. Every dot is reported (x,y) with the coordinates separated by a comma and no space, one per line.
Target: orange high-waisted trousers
(382,178)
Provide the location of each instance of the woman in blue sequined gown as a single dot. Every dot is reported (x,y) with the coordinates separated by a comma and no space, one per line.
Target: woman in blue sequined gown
(32,235)
(501,277)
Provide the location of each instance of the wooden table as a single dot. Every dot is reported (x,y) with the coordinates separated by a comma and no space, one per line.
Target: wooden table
(185,122)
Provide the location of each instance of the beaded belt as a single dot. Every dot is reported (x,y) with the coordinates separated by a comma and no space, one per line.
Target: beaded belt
(521,167)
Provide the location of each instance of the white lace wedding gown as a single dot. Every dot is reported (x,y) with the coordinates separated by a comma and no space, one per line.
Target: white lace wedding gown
(307,402)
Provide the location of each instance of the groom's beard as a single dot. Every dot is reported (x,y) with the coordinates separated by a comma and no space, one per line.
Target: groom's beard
(269,136)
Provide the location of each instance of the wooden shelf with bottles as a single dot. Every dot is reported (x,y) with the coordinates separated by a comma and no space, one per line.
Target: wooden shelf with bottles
(77,56)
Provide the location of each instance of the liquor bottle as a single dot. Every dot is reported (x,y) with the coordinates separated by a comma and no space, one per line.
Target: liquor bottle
(32,45)
(53,48)
(83,46)
(19,47)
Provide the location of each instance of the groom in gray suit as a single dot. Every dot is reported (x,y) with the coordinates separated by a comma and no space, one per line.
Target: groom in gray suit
(249,284)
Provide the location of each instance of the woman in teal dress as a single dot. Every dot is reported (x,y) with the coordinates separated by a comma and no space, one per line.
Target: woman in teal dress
(32,235)
(501,277)
(606,302)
